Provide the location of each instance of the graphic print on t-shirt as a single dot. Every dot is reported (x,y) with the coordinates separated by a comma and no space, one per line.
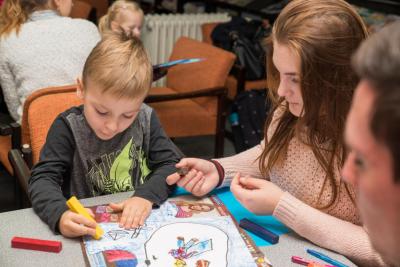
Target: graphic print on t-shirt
(118,171)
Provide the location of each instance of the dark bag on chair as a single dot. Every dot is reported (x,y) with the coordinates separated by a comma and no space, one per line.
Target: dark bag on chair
(248,115)
(249,56)
(244,38)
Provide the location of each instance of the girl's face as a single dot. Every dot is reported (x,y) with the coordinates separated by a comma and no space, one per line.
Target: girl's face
(288,65)
(129,21)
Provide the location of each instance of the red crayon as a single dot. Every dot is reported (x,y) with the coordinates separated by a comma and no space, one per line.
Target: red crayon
(36,244)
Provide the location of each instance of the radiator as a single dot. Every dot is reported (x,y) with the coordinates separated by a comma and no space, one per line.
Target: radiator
(160,33)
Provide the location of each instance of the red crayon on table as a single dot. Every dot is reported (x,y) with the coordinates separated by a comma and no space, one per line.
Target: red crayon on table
(308,263)
(36,244)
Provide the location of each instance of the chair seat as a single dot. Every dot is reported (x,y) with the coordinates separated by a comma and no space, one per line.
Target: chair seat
(201,122)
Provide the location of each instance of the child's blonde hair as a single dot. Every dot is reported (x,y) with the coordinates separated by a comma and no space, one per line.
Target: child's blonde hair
(113,12)
(119,65)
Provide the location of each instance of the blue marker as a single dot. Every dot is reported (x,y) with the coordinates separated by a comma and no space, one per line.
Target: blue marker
(179,61)
(326,258)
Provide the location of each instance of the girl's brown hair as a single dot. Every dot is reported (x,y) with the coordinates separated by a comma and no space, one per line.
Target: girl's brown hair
(114,10)
(119,65)
(14,13)
(324,34)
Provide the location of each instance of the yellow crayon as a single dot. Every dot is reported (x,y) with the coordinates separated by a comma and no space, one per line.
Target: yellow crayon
(75,206)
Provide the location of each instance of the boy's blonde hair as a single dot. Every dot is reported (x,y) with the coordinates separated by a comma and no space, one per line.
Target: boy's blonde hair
(113,12)
(119,65)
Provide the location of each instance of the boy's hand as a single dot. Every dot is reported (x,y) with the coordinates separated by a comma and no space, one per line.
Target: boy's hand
(73,224)
(201,178)
(135,211)
(257,195)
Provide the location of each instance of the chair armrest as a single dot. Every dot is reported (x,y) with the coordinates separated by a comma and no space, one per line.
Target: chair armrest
(9,127)
(217,91)
(21,170)
(5,127)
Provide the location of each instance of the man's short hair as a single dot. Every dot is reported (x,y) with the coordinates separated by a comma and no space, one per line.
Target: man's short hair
(378,62)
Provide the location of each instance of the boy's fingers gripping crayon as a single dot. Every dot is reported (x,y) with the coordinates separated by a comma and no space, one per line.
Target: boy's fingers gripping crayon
(75,206)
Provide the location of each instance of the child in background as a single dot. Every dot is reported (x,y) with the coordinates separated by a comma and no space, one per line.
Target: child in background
(124,16)
(112,143)
(127,16)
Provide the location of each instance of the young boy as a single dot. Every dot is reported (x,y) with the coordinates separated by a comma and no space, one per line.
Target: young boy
(112,143)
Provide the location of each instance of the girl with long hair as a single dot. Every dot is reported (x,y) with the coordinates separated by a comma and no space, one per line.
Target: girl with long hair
(294,174)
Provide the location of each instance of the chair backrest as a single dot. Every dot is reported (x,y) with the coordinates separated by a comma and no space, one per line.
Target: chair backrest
(40,110)
(210,73)
(81,10)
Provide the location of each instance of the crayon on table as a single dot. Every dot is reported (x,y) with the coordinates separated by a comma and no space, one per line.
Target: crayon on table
(305,262)
(325,258)
(75,206)
(259,231)
(36,244)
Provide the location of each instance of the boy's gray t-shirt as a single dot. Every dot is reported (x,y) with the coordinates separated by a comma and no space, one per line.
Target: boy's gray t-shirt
(74,161)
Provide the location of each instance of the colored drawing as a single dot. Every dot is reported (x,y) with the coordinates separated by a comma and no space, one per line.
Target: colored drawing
(175,242)
(186,209)
(205,236)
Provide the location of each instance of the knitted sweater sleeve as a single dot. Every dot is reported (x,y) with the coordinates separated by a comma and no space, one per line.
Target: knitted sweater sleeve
(327,231)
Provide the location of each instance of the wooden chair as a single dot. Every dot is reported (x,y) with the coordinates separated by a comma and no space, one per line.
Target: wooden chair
(40,110)
(236,82)
(192,103)
(82,8)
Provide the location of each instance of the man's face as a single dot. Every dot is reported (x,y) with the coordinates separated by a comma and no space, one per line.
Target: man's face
(369,168)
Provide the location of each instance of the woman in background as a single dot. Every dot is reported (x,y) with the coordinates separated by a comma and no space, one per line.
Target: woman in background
(40,46)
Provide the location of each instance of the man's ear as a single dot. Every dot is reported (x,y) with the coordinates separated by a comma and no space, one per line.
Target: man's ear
(79,88)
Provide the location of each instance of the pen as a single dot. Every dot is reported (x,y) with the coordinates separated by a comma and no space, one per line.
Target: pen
(325,258)
(75,206)
(305,262)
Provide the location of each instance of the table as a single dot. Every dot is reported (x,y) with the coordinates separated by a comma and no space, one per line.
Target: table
(27,224)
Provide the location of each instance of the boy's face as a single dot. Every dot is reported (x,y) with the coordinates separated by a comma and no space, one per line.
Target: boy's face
(106,114)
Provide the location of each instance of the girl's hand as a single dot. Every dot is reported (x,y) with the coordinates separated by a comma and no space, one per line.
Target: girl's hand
(202,176)
(257,195)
